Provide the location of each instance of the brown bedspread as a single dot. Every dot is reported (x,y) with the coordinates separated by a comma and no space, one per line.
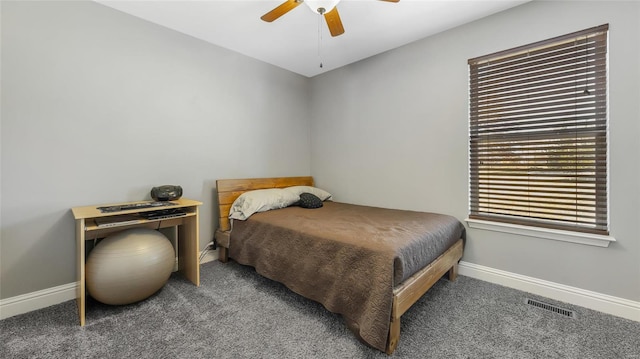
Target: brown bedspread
(346,257)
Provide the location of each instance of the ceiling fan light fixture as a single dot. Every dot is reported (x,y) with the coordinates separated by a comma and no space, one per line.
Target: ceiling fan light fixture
(321,6)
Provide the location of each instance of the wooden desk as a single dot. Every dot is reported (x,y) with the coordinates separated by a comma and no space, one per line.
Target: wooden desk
(188,238)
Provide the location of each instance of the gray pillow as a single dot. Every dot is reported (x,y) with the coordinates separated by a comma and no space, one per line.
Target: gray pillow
(308,200)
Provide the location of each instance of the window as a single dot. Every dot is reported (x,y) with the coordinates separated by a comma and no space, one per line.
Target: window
(538,134)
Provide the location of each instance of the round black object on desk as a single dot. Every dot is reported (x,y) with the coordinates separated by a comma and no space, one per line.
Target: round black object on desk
(166,193)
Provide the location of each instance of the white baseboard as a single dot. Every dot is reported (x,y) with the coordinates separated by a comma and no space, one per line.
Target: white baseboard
(601,302)
(36,300)
(47,297)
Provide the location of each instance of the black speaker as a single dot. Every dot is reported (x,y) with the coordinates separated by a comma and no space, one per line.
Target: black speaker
(166,193)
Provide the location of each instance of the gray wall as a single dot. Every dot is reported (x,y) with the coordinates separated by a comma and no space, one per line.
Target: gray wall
(392,131)
(99,106)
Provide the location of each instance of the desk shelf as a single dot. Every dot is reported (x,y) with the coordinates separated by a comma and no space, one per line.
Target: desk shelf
(94,231)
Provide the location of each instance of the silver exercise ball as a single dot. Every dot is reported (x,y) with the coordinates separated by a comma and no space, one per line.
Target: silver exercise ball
(129,266)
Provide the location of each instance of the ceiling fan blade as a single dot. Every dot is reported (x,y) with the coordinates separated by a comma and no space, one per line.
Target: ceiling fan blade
(282,9)
(334,22)
(390,0)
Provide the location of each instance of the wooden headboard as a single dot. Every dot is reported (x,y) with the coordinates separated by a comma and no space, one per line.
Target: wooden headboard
(230,189)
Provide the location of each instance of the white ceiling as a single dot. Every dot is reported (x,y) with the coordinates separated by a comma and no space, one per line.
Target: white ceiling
(294,42)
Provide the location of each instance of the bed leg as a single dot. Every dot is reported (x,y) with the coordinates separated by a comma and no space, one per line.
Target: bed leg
(223,254)
(453,272)
(394,335)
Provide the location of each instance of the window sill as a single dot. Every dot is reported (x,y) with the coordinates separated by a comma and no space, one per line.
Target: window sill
(554,234)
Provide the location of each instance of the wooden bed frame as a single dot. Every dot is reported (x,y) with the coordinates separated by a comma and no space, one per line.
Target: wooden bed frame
(404,295)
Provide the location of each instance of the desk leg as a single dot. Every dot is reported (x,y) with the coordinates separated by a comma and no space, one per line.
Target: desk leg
(80,294)
(188,248)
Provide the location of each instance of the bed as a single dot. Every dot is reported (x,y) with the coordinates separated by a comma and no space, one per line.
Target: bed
(368,264)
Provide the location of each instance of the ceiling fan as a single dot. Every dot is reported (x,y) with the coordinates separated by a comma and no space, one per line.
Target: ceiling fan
(327,8)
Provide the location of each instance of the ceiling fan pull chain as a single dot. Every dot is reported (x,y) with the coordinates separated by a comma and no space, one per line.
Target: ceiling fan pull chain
(320,39)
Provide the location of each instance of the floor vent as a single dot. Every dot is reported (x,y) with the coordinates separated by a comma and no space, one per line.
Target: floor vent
(552,308)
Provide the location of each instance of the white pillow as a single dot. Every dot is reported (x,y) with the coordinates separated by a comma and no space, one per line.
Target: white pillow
(259,201)
(320,193)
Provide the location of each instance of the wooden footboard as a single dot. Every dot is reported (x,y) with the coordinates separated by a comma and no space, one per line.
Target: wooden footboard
(412,289)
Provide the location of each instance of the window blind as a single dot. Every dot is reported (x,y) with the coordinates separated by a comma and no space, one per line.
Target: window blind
(538,134)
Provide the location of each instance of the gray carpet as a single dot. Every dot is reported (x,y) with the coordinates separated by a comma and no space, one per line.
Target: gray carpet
(236,313)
